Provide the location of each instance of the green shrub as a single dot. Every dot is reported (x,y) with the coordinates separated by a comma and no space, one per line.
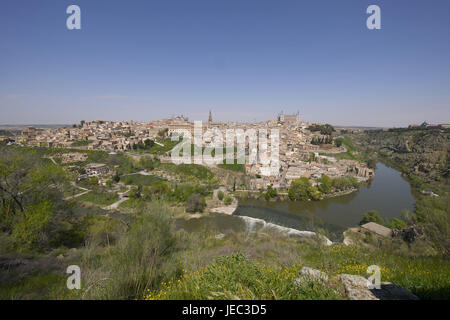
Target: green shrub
(338,142)
(395,223)
(372,216)
(139,179)
(302,189)
(434,215)
(147,163)
(325,184)
(99,197)
(228,200)
(195,203)
(28,232)
(93,181)
(298,190)
(140,260)
(104,230)
(220,195)
(272,193)
(235,277)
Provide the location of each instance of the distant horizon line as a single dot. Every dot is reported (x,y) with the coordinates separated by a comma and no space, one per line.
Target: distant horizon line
(71,124)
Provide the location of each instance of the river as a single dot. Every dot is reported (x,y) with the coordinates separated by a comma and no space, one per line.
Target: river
(388,193)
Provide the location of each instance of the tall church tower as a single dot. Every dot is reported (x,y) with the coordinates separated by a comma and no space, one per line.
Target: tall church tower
(210,117)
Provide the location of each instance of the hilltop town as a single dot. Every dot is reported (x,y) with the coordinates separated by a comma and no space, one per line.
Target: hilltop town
(305,150)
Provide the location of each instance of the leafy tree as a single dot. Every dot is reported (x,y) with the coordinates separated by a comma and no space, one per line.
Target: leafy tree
(140,145)
(371,163)
(93,181)
(325,183)
(314,193)
(116,177)
(326,129)
(395,223)
(195,203)
(372,216)
(158,190)
(29,228)
(338,142)
(220,195)
(25,179)
(149,143)
(135,193)
(298,190)
(345,183)
(147,163)
(30,198)
(228,200)
(271,192)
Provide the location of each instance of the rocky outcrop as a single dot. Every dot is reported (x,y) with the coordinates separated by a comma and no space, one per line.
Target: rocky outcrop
(422,152)
(307,273)
(357,288)
(347,236)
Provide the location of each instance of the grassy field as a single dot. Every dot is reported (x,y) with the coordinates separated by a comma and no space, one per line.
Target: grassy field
(40,286)
(349,154)
(236,277)
(157,149)
(187,171)
(99,198)
(155,261)
(428,277)
(233,167)
(139,179)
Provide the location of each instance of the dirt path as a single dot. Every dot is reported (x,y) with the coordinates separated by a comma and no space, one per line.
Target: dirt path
(79,194)
(122,198)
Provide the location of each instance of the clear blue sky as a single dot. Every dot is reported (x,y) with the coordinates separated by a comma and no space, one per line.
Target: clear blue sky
(244,59)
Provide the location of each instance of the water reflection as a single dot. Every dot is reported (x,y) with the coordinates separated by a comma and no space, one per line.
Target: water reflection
(388,193)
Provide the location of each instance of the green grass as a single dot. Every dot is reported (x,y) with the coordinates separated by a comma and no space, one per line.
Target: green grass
(69,190)
(235,277)
(140,259)
(139,179)
(426,276)
(233,167)
(37,287)
(99,198)
(187,171)
(157,149)
(349,154)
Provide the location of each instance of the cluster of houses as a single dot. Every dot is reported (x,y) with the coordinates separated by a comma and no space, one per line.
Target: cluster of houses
(298,157)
